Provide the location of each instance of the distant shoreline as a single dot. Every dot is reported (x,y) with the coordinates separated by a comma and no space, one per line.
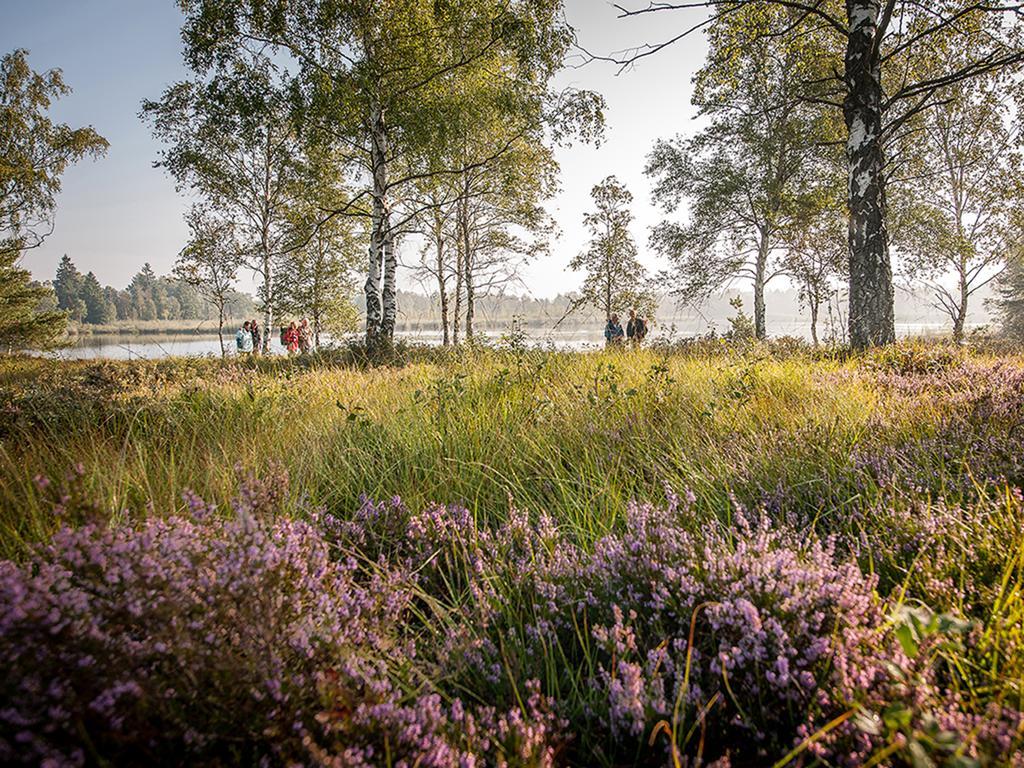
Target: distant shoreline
(150,328)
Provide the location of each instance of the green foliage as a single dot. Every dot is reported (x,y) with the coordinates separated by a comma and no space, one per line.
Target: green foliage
(615,279)
(367,73)
(1010,296)
(754,170)
(954,214)
(231,139)
(318,279)
(210,262)
(34,151)
(147,297)
(24,322)
(904,459)
(99,310)
(741,327)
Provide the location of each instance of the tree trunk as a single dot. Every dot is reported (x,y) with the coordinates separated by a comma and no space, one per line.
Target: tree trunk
(389,293)
(467,258)
(378,216)
(457,314)
(960,318)
(268,295)
(759,279)
(871,289)
(220,328)
(814,303)
(442,285)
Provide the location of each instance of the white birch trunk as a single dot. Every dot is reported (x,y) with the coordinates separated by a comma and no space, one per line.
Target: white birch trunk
(871,288)
(372,288)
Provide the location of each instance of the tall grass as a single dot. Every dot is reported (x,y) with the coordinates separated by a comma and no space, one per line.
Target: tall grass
(906,461)
(574,435)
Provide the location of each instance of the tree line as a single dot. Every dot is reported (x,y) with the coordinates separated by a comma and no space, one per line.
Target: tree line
(147,297)
(315,137)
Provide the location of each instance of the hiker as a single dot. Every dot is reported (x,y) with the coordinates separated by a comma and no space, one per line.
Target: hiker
(613,334)
(243,339)
(305,337)
(290,338)
(257,336)
(636,328)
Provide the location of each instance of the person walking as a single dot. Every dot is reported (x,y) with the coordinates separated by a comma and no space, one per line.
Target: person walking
(613,335)
(243,339)
(636,328)
(305,337)
(257,336)
(290,339)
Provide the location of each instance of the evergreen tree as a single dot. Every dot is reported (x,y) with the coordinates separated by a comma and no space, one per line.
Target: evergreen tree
(68,286)
(24,324)
(98,310)
(143,306)
(1009,300)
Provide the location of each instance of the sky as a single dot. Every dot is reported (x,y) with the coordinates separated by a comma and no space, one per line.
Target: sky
(116,213)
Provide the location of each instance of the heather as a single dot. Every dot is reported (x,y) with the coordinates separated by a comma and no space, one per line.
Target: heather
(694,555)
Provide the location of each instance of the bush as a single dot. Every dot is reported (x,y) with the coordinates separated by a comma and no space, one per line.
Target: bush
(227,641)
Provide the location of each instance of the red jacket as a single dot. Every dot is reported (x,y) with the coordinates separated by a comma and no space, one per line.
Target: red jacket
(291,339)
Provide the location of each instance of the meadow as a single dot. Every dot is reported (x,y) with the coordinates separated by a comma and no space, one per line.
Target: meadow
(689,555)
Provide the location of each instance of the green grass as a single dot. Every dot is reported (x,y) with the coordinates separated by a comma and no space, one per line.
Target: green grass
(575,435)
(908,456)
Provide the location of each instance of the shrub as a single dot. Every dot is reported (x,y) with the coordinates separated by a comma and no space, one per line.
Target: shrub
(226,641)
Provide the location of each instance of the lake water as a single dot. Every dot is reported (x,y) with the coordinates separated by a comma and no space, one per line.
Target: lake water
(154,346)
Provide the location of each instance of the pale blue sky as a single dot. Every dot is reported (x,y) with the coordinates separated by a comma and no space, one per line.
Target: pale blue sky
(119,212)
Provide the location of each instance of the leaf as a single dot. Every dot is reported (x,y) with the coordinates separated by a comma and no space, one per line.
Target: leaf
(897,717)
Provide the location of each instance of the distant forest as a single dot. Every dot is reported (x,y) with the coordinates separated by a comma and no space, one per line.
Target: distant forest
(148,297)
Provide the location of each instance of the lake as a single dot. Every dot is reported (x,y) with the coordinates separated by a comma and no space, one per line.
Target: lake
(154,346)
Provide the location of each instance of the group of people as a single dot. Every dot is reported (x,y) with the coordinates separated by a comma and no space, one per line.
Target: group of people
(295,337)
(635,333)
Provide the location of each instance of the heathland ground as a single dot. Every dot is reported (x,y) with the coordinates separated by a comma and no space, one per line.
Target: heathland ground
(759,555)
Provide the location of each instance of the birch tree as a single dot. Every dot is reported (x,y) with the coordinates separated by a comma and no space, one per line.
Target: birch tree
(210,263)
(34,151)
(896,62)
(231,141)
(320,275)
(742,173)
(615,279)
(370,70)
(815,255)
(964,184)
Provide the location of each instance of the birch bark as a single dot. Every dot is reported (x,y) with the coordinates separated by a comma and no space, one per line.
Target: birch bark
(871,287)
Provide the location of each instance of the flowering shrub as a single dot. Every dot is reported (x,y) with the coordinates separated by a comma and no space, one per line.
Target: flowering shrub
(420,638)
(202,636)
(783,638)
(231,640)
